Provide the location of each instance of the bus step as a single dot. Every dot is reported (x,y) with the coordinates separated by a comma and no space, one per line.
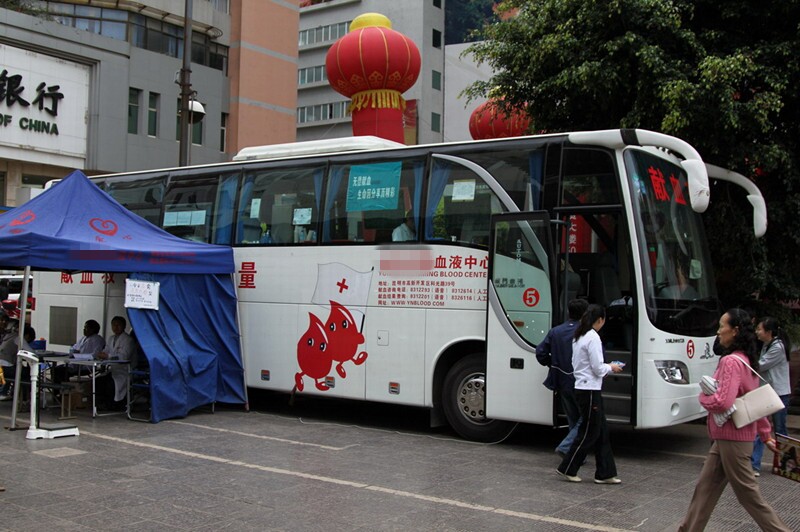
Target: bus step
(616,396)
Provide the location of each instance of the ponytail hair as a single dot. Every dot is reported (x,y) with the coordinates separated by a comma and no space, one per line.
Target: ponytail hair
(592,314)
(773,326)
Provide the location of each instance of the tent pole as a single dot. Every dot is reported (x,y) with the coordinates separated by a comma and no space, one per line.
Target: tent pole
(22,303)
(241,346)
(105,307)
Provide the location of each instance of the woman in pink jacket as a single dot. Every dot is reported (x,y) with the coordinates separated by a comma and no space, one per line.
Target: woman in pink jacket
(728,460)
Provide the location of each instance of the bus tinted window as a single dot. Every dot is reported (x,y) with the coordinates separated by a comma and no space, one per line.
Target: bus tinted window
(200,209)
(368,202)
(459,205)
(589,178)
(279,206)
(679,283)
(142,196)
(520,172)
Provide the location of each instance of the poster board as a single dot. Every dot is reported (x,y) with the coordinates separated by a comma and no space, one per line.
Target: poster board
(141,294)
(786,463)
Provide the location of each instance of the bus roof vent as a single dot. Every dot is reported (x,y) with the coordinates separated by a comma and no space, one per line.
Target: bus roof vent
(314,147)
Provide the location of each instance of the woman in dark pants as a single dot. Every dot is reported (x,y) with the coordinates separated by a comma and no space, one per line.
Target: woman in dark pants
(589,370)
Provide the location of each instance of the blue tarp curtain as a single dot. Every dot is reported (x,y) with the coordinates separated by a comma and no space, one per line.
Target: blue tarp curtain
(190,343)
(75,226)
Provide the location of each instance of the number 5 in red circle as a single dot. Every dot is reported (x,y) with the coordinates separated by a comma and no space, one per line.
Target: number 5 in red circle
(530,297)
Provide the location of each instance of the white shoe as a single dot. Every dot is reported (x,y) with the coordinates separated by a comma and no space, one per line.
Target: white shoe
(612,480)
(569,477)
(6,397)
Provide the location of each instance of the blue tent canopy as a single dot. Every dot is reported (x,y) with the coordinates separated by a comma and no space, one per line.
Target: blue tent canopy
(75,226)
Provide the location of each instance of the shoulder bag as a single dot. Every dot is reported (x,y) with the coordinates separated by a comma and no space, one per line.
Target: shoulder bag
(755,404)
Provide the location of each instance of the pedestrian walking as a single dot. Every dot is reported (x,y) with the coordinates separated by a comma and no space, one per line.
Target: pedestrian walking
(589,370)
(728,461)
(773,366)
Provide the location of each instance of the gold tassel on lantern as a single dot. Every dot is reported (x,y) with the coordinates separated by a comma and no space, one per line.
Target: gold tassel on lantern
(377,99)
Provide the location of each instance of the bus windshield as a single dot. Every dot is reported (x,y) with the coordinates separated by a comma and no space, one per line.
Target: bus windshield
(679,288)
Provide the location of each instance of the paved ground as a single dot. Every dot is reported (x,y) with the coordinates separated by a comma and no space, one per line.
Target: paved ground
(345,466)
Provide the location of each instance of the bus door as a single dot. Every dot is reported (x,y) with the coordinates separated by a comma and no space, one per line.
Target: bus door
(521,310)
(599,258)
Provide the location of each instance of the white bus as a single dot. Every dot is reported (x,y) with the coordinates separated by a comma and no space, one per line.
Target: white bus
(499,235)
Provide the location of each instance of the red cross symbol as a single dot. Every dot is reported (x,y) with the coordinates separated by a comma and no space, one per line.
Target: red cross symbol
(342,285)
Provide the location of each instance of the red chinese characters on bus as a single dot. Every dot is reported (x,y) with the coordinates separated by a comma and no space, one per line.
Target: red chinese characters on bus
(457,262)
(659,183)
(247,275)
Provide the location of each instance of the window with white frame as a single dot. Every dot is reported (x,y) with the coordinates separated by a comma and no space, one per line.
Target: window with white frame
(320,112)
(314,74)
(321,34)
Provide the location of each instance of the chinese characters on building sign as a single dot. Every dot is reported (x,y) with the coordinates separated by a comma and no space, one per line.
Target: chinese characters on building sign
(44,107)
(45,97)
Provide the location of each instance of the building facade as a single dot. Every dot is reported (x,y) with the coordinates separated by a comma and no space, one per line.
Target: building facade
(322,112)
(462,70)
(93,86)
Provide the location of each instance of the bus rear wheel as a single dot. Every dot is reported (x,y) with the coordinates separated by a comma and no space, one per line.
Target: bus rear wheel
(464,402)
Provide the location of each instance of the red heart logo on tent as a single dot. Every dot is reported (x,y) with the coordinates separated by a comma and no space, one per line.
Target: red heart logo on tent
(24,218)
(106,227)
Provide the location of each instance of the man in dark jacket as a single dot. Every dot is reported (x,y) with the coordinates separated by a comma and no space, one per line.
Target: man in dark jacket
(555,352)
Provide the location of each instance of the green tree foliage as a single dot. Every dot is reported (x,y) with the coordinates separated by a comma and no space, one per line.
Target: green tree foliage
(720,74)
(23,6)
(463,19)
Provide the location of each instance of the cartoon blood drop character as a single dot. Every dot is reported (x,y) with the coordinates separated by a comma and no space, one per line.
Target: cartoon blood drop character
(343,338)
(313,355)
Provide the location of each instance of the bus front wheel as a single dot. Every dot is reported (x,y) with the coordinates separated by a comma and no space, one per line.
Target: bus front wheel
(464,402)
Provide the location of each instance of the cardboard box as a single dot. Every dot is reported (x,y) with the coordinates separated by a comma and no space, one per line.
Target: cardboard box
(80,395)
(77,399)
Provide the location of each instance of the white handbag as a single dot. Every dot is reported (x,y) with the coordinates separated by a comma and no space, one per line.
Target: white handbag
(755,404)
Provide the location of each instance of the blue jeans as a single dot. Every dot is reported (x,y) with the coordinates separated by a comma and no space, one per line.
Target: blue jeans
(570,406)
(778,424)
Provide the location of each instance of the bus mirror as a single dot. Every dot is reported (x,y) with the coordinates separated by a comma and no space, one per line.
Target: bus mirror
(759,214)
(753,196)
(698,184)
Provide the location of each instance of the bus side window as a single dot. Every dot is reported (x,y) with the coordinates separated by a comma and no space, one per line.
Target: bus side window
(192,207)
(366,202)
(276,203)
(459,205)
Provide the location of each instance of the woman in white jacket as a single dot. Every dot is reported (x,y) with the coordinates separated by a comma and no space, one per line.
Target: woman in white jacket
(773,366)
(589,370)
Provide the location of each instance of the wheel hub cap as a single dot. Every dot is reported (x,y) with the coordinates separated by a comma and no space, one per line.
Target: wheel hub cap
(472,398)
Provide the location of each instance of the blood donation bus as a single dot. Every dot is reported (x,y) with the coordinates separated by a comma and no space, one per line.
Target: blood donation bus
(426,275)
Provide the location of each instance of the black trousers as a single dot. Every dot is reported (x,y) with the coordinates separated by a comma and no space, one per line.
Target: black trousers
(592,434)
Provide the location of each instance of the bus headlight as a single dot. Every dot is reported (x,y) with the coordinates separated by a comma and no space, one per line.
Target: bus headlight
(673,371)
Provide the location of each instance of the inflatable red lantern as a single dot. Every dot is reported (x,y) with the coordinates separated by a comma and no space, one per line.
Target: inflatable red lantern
(373,65)
(489,121)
